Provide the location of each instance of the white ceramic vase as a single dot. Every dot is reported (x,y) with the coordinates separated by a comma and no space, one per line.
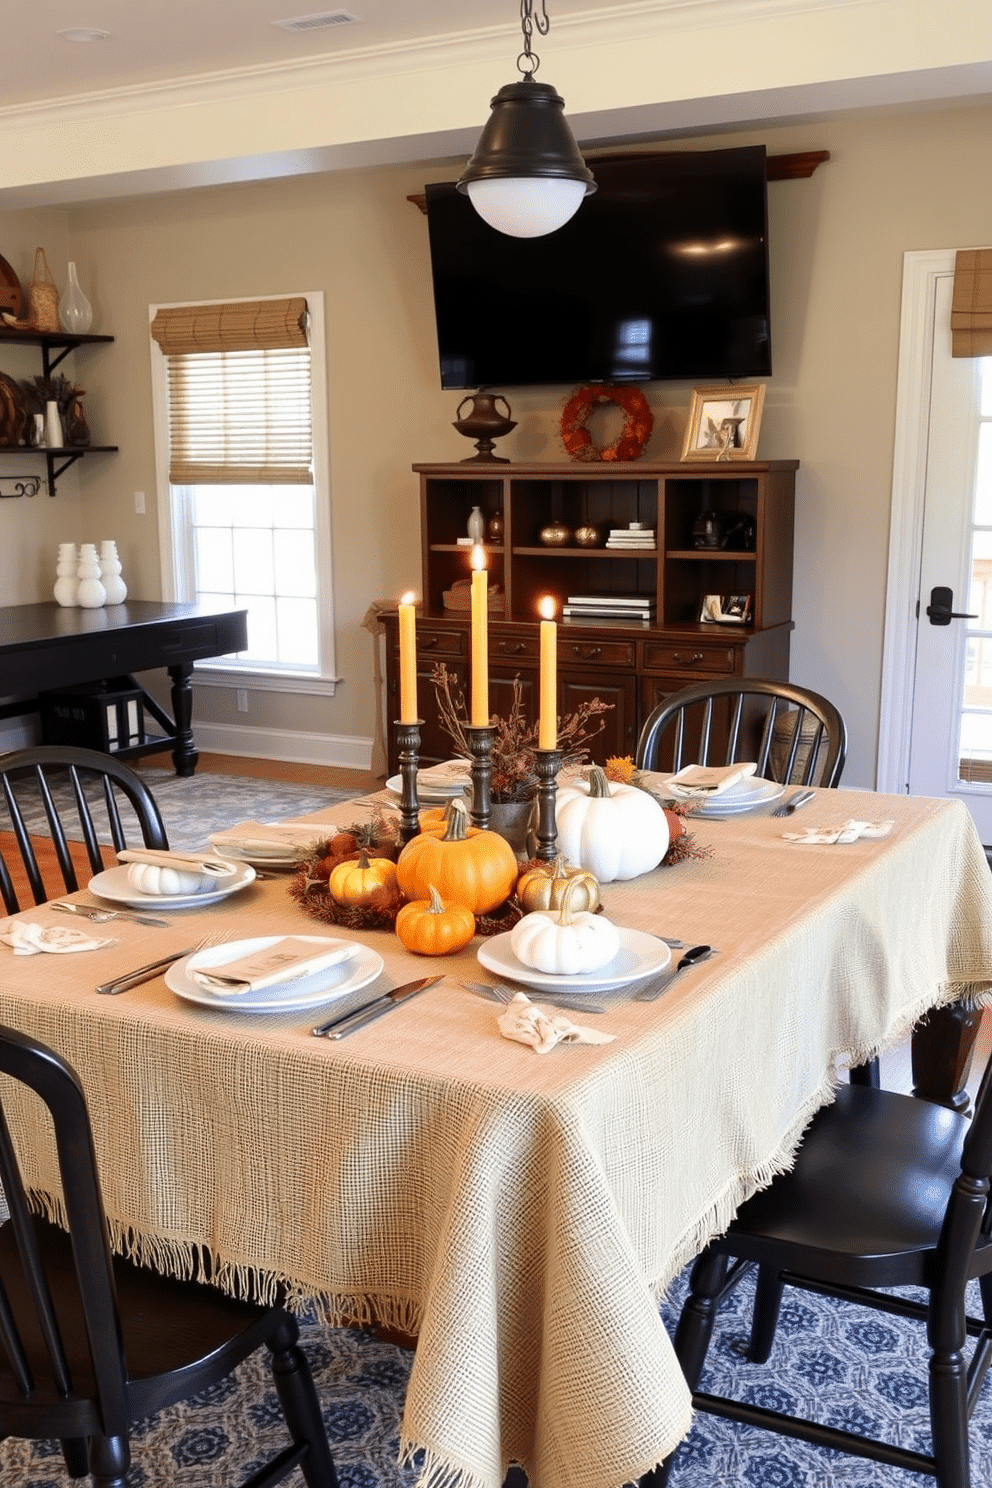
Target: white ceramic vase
(54,437)
(91,594)
(477,525)
(110,573)
(67,583)
(75,310)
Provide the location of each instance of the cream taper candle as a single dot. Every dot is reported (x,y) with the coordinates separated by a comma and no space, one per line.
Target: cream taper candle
(480,639)
(408,660)
(547,729)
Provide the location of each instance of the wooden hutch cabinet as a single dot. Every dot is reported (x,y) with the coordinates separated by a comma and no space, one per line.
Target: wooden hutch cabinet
(631,665)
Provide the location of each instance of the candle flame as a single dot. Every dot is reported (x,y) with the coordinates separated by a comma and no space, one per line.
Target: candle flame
(408,598)
(478,557)
(547,607)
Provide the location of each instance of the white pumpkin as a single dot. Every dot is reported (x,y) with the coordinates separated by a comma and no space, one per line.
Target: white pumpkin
(150,878)
(613,830)
(561,942)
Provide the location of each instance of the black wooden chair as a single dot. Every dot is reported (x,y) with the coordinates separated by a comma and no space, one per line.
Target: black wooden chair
(793,734)
(93,1344)
(887,1191)
(69,795)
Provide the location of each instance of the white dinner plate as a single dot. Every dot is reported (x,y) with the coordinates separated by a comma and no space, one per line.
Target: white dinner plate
(640,955)
(286,997)
(437,783)
(112,884)
(746,795)
(261,859)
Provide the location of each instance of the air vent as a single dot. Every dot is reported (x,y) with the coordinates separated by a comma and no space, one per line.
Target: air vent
(318,22)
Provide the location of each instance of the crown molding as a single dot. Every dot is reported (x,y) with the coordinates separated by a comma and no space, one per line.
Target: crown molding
(634,21)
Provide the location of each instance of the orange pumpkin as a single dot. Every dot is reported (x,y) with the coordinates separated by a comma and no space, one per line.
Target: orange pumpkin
(467,865)
(429,927)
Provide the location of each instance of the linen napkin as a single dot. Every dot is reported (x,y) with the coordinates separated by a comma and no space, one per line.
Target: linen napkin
(28,939)
(286,960)
(700,782)
(289,840)
(201,863)
(527,1023)
(851,831)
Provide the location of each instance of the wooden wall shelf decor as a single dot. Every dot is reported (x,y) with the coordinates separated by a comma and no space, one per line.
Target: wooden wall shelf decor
(54,346)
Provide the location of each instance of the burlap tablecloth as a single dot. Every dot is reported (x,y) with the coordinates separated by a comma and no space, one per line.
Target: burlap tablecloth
(521,1213)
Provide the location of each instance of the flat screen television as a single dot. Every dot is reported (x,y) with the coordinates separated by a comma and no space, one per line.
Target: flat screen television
(662,274)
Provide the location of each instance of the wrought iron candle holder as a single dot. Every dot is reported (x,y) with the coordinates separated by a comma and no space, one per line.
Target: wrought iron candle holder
(547,763)
(480,742)
(408,745)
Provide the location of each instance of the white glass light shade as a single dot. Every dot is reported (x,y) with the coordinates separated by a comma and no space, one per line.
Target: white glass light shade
(526,206)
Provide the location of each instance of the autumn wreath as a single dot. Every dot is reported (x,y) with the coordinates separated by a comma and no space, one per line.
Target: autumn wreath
(637,423)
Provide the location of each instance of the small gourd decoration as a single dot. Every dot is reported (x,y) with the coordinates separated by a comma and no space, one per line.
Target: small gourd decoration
(356,881)
(151,878)
(466,864)
(613,830)
(565,942)
(541,888)
(429,927)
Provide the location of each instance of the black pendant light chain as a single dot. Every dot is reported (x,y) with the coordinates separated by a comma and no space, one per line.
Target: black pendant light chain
(528,62)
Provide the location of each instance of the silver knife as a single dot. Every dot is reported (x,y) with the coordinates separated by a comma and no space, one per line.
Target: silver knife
(698,953)
(336,1028)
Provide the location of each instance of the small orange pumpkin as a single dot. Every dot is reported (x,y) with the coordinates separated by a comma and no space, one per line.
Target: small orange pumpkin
(355,881)
(429,927)
(467,865)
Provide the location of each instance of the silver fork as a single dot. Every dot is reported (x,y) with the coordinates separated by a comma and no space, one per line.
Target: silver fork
(146,973)
(505,995)
(99,915)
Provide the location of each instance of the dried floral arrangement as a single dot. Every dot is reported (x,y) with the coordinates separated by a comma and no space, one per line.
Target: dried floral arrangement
(682,843)
(513,759)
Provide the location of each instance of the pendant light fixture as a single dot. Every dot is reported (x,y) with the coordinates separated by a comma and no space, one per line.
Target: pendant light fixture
(527,177)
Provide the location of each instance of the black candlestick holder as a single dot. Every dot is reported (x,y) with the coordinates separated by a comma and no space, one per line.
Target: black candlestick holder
(480,742)
(408,744)
(547,763)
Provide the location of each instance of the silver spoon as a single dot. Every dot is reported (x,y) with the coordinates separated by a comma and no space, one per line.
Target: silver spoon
(697,953)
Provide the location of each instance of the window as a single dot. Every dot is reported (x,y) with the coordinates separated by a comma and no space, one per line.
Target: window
(241,436)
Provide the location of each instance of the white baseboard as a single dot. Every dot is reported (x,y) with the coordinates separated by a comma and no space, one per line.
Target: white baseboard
(342,750)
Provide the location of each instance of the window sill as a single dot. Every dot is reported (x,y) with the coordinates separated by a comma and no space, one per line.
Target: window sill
(303,684)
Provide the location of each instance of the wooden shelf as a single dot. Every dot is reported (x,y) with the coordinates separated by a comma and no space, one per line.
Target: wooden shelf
(63,342)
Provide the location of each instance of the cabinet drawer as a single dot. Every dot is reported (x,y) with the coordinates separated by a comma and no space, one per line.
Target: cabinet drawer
(514,647)
(693,656)
(598,653)
(439,642)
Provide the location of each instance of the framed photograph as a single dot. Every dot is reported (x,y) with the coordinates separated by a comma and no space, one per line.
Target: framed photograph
(725,609)
(724,422)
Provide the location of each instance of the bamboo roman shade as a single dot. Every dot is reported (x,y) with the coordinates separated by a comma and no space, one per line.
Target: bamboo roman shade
(239,393)
(971,304)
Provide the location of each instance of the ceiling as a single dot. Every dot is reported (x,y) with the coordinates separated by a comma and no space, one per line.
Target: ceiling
(150,42)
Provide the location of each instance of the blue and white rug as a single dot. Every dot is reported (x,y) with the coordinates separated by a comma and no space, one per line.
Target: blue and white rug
(851,1366)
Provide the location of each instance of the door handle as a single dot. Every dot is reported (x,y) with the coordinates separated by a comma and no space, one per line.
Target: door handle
(939,610)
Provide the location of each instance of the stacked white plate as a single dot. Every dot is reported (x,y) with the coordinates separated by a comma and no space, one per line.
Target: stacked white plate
(285,997)
(746,795)
(436,784)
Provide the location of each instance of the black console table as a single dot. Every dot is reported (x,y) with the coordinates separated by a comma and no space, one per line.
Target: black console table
(45,647)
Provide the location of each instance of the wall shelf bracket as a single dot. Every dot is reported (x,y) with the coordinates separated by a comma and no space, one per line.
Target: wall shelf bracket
(20,485)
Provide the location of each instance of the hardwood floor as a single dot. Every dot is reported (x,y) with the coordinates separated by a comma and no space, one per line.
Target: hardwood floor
(263,769)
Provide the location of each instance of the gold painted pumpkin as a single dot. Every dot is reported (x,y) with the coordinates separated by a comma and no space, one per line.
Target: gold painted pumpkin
(544,888)
(466,865)
(355,881)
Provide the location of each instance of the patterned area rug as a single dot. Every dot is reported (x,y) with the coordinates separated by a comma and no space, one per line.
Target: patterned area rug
(193,808)
(858,1368)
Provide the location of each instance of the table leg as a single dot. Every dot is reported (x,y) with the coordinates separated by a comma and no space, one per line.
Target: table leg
(184,752)
(942,1049)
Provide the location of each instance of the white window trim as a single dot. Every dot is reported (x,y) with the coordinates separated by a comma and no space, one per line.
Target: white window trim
(173,536)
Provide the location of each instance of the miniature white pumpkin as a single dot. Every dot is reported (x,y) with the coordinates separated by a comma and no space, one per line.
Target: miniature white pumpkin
(562,943)
(613,830)
(150,878)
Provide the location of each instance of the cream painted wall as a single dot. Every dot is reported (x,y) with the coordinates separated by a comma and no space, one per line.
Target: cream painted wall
(893,183)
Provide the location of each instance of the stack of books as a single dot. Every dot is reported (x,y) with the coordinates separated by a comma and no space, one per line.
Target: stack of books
(635,536)
(635,609)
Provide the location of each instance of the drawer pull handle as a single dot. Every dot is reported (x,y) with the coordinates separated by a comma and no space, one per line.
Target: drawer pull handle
(681,660)
(428,643)
(587,653)
(514,650)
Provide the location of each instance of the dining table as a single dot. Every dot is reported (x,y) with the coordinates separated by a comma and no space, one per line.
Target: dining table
(521,1214)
